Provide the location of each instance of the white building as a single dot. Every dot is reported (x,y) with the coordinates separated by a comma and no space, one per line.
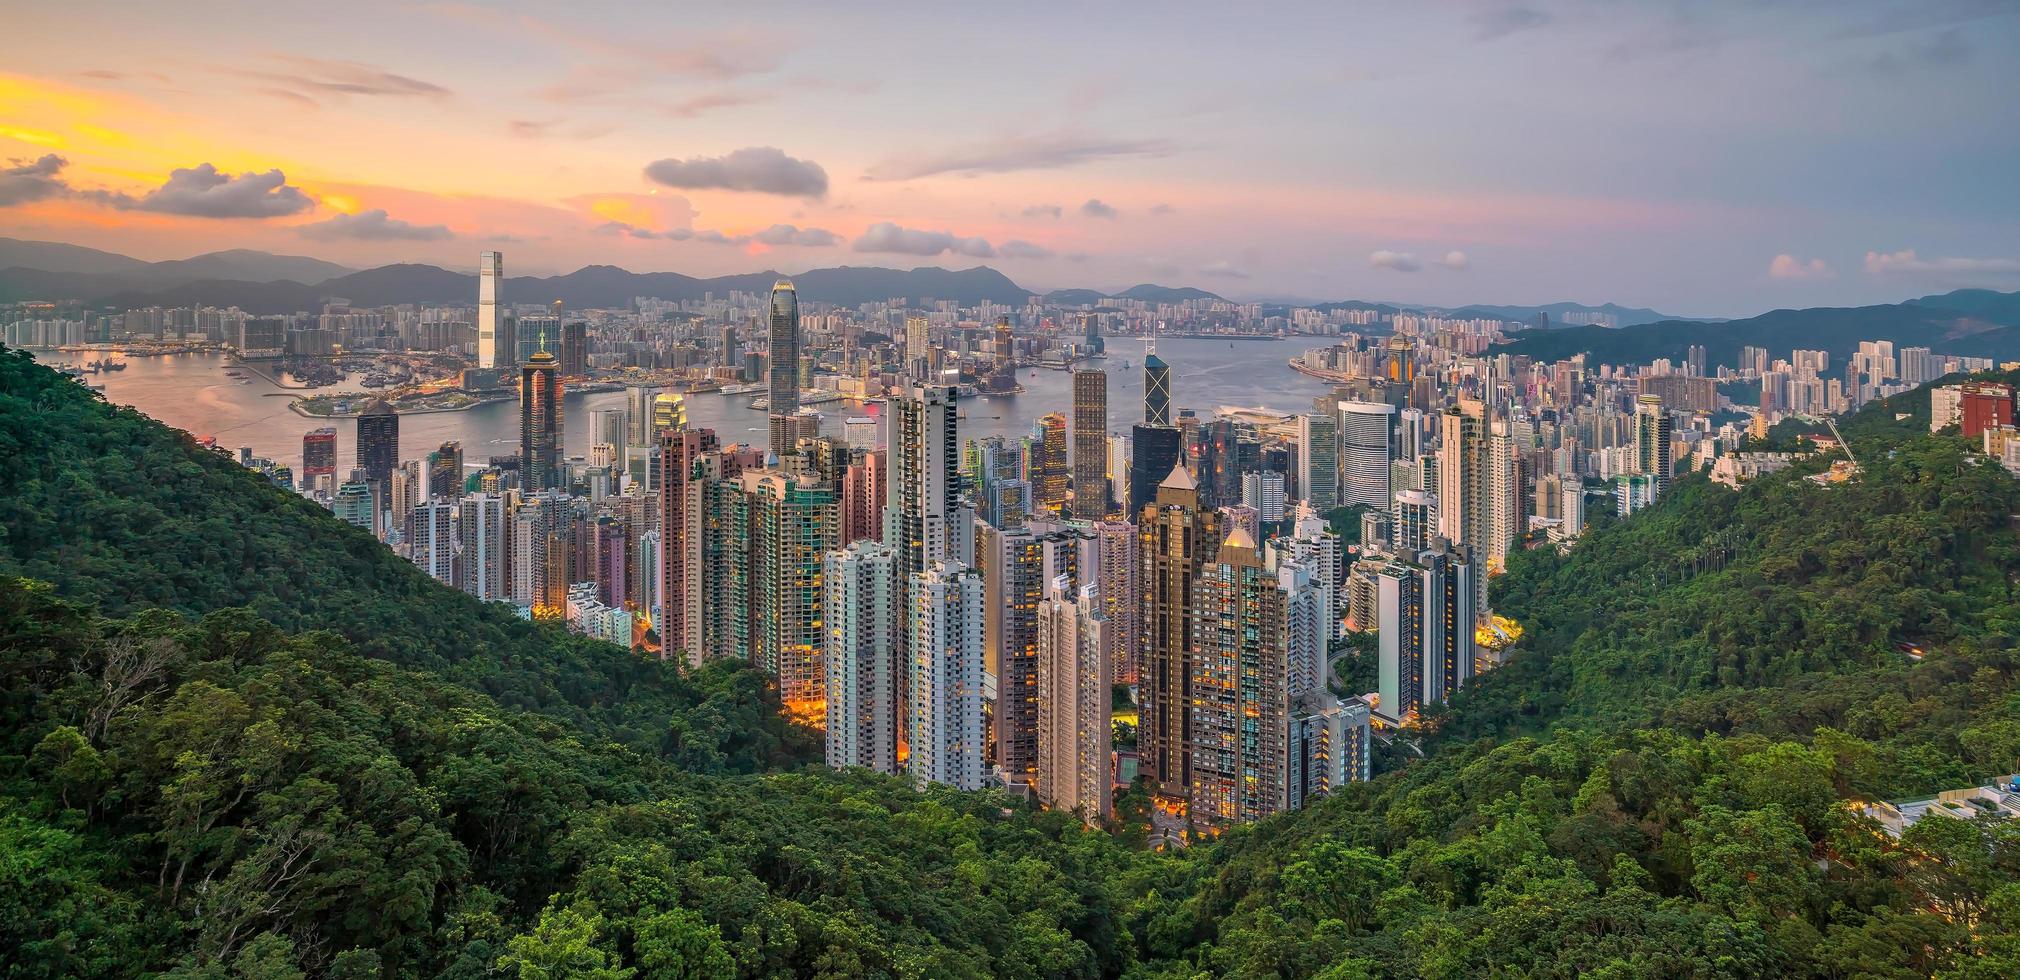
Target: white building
(860,613)
(947,739)
(1074,711)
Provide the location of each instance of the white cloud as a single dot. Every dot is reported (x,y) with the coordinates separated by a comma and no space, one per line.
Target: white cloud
(1393,261)
(1906,262)
(1786,266)
(375,226)
(1456,260)
(1019,249)
(1223,269)
(887,237)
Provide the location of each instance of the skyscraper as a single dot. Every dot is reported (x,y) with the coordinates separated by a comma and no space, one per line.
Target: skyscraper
(1425,616)
(1013,584)
(1240,717)
(679,617)
(445,471)
(379,447)
(1090,445)
(862,615)
(1153,451)
(319,457)
(540,423)
(638,415)
(945,647)
(925,517)
(431,540)
(669,413)
(783,363)
(574,349)
(1074,706)
(1319,460)
(1367,433)
(490,308)
(1049,466)
(1116,573)
(918,349)
(482,547)
(1328,746)
(1652,452)
(1156,388)
(1462,474)
(1175,539)
(792,528)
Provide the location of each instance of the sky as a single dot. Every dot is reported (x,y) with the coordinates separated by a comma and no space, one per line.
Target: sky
(1695,156)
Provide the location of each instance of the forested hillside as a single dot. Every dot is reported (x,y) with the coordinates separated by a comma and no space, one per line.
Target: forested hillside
(241,740)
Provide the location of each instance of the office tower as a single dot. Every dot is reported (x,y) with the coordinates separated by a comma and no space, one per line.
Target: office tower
(379,447)
(1415,521)
(482,547)
(669,413)
(1240,717)
(1153,451)
(793,527)
(1425,628)
(1401,367)
(612,567)
(918,349)
(445,471)
(925,518)
(575,349)
(1462,474)
(431,539)
(1449,617)
(1156,389)
(490,309)
(1090,445)
(610,427)
(1264,491)
(861,614)
(1049,467)
(1013,584)
(1319,460)
(1175,540)
(1652,451)
(863,498)
(353,504)
(783,363)
(319,457)
(540,424)
(1328,747)
(1367,435)
(1507,519)
(945,646)
(679,616)
(1090,331)
(1074,703)
(638,416)
(1005,344)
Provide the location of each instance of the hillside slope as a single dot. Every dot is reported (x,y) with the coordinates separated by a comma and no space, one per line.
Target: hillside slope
(1639,793)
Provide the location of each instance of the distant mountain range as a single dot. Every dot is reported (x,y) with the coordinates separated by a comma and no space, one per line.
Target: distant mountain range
(1623,316)
(1971,322)
(235,264)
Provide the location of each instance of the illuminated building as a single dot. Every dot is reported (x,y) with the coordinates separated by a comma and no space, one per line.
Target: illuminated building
(1175,539)
(1090,445)
(540,458)
(861,617)
(945,626)
(1013,583)
(1240,669)
(1073,703)
(679,617)
(783,363)
(1049,469)
(793,527)
(319,457)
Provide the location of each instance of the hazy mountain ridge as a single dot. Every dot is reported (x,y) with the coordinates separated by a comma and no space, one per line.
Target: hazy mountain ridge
(1970,322)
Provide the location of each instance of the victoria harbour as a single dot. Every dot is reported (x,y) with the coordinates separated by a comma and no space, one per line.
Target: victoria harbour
(192,392)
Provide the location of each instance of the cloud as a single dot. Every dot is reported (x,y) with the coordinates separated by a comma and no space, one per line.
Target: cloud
(1383,258)
(1786,266)
(1019,249)
(1042,152)
(33,180)
(1223,269)
(1044,211)
(1163,209)
(887,237)
(789,235)
(774,235)
(691,107)
(375,226)
(759,169)
(1095,208)
(1489,25)
(1456,261)
(318,76)
(204,192)
(1906,262)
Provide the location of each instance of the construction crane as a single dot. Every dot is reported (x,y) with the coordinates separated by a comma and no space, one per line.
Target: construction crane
(1832,424)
